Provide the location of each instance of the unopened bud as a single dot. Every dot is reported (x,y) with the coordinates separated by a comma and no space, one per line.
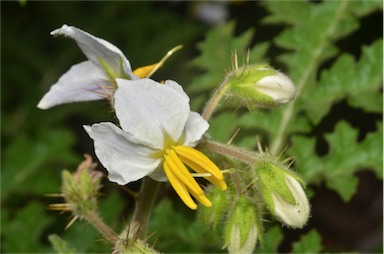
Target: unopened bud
(243,227)
(261,85)
(129,243)
(81,188)
(212,215)
(283,194)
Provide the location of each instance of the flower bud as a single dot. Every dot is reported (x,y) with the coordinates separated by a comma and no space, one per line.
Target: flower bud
(261,85)
(283,194)
(129,243)
(81,188)
(243,227)
(212,215)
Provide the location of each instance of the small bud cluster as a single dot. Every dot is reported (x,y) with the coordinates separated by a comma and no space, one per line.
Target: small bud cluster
(266,184)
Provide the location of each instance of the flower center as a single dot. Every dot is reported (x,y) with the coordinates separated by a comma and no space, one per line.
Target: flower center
(175,160)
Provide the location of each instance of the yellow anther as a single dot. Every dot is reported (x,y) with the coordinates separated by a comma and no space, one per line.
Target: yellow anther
(219,183)
(203,199)
(203,162)
(148,70)
(179,187)
(182,173)
(175,160)
(143,72)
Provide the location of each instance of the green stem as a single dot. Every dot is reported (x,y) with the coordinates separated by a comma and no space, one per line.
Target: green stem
(215,99)
(143,208)
(100,225)
(237,183)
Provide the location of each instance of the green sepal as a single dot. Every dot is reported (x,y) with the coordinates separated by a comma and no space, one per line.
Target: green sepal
(81,189)
(272,179)
(220,203)
(242,84)
(244,214)
(111,73)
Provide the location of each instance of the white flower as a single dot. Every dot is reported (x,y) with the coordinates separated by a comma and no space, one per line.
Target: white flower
(91,79)
(156,139)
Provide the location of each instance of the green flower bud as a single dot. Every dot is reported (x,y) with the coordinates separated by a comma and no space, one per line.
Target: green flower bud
(212,215)
(243,227)
(261,85)
(283,194)
(81,189)
(130,244)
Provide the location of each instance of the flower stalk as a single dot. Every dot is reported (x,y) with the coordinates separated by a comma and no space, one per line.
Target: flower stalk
(144,203)
(94,219)
(215,99)
(232,152)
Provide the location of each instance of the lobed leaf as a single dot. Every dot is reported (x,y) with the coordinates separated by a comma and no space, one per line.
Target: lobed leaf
(346,156)
(217,52)
(347,79)
(271,240)
(309,243)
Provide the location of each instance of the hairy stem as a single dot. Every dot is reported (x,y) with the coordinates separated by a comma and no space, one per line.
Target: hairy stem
(100,225)
(232,152)
(215,99)
(143,208)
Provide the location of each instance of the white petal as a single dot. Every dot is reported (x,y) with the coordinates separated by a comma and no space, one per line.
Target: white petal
(159,175)
(174,85)
(152,112)
(96,48)
(278,86)
(295,216)
(124,160)
(194,129)
(81,83)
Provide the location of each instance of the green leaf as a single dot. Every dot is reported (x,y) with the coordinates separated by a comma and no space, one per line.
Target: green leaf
(345,185)
(21,231)
(84,237)
(186,233)
(37,154)
(348,79)
(223,126)
(110,209)
(60,245)
(346,156)
(216,57)
(307,163)
(309,243)
(271,240)
(310,43)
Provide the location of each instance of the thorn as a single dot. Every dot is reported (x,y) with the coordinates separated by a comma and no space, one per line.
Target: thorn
(233,136)
(71,222)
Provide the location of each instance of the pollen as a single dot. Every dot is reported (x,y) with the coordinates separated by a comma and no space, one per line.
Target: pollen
(176,160)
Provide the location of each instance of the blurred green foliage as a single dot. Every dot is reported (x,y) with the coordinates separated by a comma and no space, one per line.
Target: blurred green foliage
(330,49)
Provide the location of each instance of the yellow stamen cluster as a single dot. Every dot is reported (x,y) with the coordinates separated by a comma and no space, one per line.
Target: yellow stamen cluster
(182,181)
